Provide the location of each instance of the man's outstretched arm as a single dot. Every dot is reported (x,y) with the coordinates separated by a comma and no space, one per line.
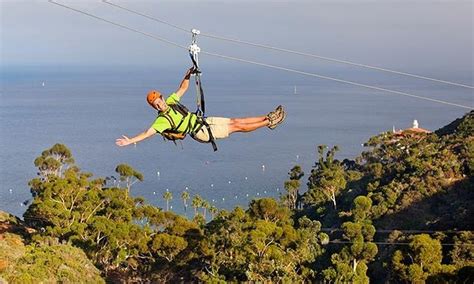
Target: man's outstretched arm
(183,87)
(142,136)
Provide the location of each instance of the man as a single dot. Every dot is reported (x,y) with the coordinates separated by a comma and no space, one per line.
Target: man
(174,120)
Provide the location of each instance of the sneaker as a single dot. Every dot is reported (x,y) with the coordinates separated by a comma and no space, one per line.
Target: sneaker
(279,109)
(279,119)
(273,115)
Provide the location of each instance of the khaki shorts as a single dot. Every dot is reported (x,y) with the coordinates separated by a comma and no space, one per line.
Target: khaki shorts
(219,128)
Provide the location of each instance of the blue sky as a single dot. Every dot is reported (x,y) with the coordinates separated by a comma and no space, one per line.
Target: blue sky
(413,35)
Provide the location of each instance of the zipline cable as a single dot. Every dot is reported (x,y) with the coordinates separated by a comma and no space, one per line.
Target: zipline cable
(337,60)
(238,41)
(335,79)
(263,64)
(120,25)
(147,16)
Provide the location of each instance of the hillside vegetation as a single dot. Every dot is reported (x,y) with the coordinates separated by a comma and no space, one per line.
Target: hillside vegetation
(25,261)
(400,212)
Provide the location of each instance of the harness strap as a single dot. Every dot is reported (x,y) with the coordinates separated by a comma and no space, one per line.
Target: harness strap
(190,129)
(200,125)
(181,122)
(203,123)
(170,120)
(211,137)
(167,117)
(201,93)
(201,104)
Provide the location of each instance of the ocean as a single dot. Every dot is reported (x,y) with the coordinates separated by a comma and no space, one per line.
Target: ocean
(87,108)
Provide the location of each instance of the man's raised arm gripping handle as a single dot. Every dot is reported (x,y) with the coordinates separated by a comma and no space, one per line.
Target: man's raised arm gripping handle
(183,87)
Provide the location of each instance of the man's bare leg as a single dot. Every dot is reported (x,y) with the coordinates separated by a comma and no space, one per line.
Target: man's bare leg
(246,120)
(247,127)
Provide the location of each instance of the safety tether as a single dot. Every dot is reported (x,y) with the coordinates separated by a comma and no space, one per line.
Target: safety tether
(200,102)
(194,54)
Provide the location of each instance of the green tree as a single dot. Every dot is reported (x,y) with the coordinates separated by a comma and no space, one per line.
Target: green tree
(462,254)
(421,260)
(168,246)
(350,264)
(213,210)
(196,203)
(292,197)
(167,196)
(185,197)
(128,175)
(267,209)
(260,245)
(54,161)
(327,178)
(73,207)
(361,209)
(205,207)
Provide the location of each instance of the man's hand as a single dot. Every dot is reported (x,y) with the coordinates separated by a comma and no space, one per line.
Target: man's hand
(123,141)
(140,137)
(189,72)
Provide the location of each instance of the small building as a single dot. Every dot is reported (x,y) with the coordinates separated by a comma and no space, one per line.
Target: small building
(414,131)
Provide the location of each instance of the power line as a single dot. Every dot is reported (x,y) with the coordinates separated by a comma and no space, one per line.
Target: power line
(401,230)
(400,243)
(259,45)
(341,242)
(262,64)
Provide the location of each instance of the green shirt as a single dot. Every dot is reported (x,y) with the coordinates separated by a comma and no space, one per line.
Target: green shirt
(161,123)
